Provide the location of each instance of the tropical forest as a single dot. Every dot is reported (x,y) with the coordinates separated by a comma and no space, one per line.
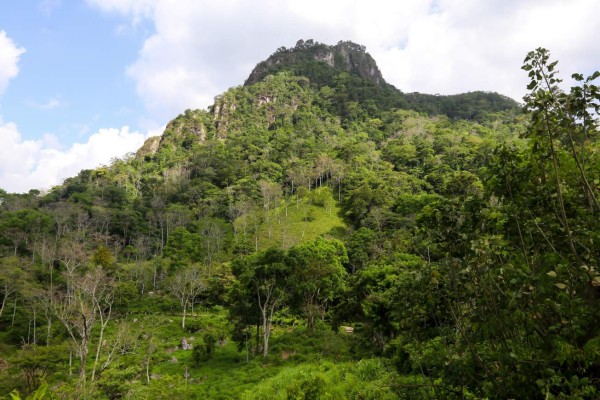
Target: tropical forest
(317,233)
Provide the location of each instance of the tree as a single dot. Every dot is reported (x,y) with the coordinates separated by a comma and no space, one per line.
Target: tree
(183,248)
(263,282)
(11,276)
(185,286)
(37,363)
(102,257)
(317,276)
(270,192)
(90,298)
(204,350)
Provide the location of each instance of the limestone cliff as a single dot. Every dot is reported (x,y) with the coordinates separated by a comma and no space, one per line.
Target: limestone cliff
(313,59)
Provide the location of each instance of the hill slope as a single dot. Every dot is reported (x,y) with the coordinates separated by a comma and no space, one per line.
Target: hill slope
(310,234)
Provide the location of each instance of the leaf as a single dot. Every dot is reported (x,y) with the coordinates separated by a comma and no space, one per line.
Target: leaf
(532,85)
(561,286)
(551,274)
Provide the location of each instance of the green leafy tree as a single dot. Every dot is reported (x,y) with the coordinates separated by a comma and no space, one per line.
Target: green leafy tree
(204,350)
(317,276)
(263,278)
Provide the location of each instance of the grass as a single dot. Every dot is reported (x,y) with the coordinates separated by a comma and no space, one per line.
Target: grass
(300,220)
(227,374)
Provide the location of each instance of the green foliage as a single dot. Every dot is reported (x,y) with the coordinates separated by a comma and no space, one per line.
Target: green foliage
(203,351)
(40,393)
(452,236)
(368,379)
(103,257)
(317,276)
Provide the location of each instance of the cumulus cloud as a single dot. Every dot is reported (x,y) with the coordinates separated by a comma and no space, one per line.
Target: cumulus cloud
(41,164)
(200,48)
(9,59)
(473,45)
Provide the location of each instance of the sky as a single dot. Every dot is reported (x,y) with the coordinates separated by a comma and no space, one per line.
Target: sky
(83,82)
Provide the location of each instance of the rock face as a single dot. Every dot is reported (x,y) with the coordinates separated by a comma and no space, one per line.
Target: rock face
(149,147)
(345,56)
(185,130)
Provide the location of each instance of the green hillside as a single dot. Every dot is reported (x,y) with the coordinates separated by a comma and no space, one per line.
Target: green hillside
(318,234)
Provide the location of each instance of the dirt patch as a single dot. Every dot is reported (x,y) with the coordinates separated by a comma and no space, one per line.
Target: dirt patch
(287,354)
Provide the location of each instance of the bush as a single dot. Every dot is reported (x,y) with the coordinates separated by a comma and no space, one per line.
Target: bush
(192,326)
(204,350)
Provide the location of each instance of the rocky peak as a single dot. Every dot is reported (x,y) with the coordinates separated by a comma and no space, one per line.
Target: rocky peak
(305,57)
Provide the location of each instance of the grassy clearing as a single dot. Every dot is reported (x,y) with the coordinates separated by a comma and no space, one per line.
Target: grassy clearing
(299,220)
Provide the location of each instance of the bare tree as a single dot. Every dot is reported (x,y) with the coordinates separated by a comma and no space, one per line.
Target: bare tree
(186,285)
(124,341)
(270,191)
(90,299)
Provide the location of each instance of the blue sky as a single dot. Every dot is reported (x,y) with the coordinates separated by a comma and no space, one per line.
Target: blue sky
(84,81)
(71,80)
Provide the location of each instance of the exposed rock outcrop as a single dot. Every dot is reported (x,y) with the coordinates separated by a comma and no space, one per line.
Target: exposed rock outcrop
(149,147)
(344,56)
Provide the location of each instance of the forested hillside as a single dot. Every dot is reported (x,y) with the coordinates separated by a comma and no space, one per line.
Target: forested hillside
(317,233)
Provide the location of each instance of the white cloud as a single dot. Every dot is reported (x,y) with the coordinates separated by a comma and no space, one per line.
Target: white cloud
(474,45)
(200,48)
(48,6)
(9,58)
(41,164)
(52,103)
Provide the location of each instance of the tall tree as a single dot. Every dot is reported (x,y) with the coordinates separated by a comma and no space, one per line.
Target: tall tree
(263,277)
(317,276)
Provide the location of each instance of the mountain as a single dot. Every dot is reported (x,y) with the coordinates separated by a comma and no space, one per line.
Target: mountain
(343,79)
(352,71)
(317,232)
(319,62)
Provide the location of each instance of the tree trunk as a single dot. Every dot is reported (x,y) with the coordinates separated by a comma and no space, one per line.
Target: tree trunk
(98,351)
(266,335)
(148,371)
(14,313)
(49,330)
(34,326)
(83,355)
(3,303)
